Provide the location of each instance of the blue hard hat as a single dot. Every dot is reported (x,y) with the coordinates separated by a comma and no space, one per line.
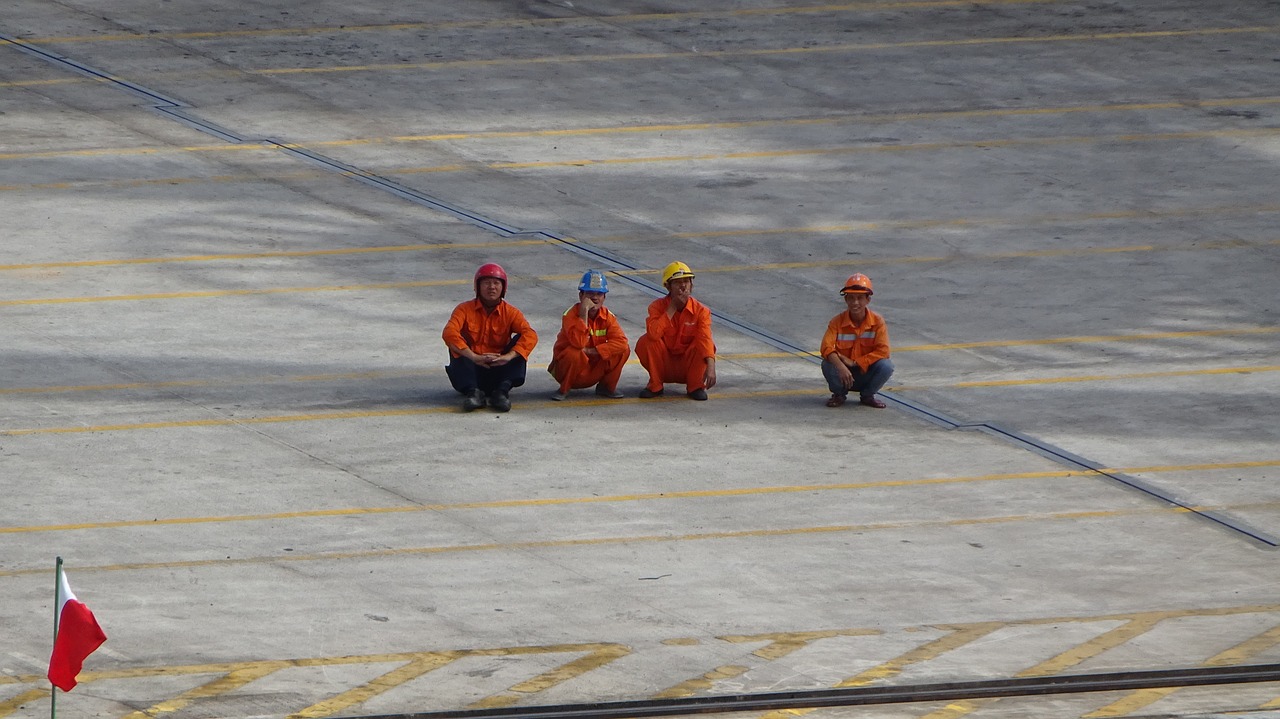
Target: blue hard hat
(594,281)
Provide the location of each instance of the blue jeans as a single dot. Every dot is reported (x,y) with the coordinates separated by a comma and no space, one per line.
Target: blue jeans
(865,384)
(467,376)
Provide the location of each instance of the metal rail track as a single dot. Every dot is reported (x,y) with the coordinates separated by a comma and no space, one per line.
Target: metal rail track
(863,696)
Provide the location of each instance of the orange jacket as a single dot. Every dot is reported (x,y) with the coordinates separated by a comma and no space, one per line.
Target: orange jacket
(689,331)
(863,343)
(484,332)
(602,332)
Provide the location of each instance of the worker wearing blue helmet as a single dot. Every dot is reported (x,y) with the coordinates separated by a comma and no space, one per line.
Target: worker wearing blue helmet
(591,347)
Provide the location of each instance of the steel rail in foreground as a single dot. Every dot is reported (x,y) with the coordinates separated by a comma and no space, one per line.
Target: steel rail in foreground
(858,696)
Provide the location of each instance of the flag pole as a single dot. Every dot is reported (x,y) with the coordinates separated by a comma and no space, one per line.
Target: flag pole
(57,606)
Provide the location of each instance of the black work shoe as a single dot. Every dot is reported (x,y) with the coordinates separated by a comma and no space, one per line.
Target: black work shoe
(647,393)
(698,394)
(475,400)
(610,393)
(500,401)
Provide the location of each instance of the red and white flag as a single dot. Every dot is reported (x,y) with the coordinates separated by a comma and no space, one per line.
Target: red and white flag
(77,635)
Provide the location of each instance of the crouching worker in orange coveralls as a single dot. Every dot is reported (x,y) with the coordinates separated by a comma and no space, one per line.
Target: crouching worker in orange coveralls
(489,342)
(677,345)
(855,348)
(591,348)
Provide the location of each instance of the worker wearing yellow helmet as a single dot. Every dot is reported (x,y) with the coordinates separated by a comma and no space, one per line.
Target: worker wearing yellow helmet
(855,348)
(677,346)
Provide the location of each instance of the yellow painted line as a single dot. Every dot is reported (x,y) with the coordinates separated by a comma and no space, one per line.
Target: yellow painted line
(235,293)
(133,151)
(1087,339)
(881,225)
(1023,254)
(365,414)
(1199,245)
(203,294)
(13,703)
(528,22)
(867,149)
(1116,377)
(702,683)
(521,22)
(1088,650)
(780,644)
(838,119)
(656,538)
(43,83)
(392,679)
(728,356)
(231,681)
(229,668)
(570,670)
(770,52)
(1062,662)
(641,497)
(962,634)
(1238,654)
(230,421)
(594,499)
(230,382)
(783,643)
(340,251)
(597,131)
(958,637)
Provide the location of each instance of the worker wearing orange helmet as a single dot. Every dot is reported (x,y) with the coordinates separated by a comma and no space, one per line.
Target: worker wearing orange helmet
(855,348)
(677,345)
(489,342)
(591,347)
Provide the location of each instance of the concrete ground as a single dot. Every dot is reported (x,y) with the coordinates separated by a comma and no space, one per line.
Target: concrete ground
(234,230)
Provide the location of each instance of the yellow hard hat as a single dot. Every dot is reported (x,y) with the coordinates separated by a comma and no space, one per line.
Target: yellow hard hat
(676,271)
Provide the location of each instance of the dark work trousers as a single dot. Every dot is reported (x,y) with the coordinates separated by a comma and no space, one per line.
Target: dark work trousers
(866,384)
(467,376)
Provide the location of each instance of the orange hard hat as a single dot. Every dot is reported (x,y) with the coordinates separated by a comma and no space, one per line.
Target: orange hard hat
(857,283)
(491,269)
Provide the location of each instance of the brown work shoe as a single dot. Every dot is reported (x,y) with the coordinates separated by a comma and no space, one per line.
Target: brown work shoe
(836,400)
(872,401)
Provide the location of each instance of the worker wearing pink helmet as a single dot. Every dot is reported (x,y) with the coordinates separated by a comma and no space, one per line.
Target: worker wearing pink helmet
(489,342)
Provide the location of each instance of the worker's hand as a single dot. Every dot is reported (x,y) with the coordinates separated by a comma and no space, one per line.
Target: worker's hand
(591,352)
(587,305)
(846,376)
(709,377)
(499,360)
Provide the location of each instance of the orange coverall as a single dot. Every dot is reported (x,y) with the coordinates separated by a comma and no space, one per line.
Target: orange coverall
(863,343)
(571,366)
(676,349)
(486,332)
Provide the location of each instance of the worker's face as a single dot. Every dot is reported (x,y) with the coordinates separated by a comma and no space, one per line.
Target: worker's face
(594,300)
(857,303)
(681,289)
(489,290)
